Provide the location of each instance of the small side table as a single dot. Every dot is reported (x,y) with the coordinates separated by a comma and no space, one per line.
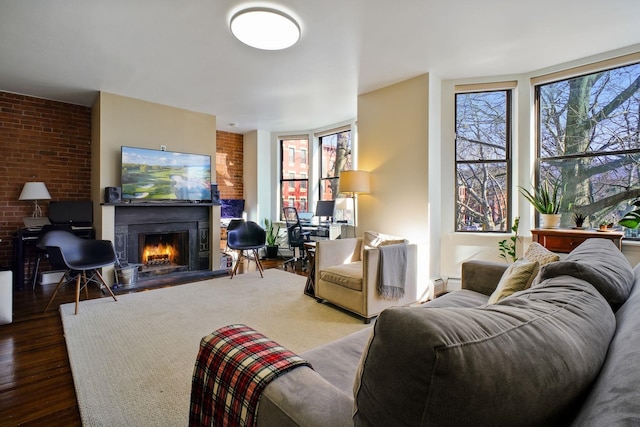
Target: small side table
(310,286)
(565,240)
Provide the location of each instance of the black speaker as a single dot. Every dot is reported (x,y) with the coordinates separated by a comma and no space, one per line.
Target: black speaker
(215,194)
(112,195)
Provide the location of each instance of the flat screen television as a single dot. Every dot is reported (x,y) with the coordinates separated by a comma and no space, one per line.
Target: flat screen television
(165,175)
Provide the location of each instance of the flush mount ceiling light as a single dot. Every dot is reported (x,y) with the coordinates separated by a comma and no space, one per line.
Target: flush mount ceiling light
(263,28)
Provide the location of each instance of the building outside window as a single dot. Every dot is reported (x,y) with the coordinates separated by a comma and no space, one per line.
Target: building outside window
(588,142)
(294,173)
(483,161)
(335,157)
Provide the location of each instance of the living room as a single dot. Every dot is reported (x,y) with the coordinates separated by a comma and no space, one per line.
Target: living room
(404,122)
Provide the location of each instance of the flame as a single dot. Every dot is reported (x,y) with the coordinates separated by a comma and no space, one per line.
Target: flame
(166,251)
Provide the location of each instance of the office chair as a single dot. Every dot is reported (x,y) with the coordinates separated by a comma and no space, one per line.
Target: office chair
(247,236)
(295,235)
(41,251)
(77,256)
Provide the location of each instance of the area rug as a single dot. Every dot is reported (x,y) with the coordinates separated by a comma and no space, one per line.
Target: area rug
(132,360)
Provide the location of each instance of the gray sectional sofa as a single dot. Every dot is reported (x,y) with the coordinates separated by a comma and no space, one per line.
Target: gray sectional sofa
(566,351)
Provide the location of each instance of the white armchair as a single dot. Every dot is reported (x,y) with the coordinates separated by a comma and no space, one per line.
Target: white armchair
(347,276)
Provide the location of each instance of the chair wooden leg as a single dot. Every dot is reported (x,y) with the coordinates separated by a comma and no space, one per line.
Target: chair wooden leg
(258,263)
(78,283)
(238,261)
(106,286)
(55,291)
(86,284)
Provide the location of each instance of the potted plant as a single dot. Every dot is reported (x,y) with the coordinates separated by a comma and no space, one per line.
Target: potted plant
(272,237)
(579,219)
(632,218)
(546,199)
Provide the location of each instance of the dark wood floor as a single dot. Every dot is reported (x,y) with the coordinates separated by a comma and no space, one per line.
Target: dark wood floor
(36,386)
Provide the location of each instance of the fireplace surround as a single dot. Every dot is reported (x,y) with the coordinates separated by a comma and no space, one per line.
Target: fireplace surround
(184,228)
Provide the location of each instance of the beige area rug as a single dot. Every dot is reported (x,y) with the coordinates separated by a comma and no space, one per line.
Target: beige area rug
(132,360)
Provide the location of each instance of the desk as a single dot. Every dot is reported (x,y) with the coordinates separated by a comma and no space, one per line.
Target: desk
(25,240)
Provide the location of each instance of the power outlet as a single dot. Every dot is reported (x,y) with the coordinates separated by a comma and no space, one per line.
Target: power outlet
(163,148)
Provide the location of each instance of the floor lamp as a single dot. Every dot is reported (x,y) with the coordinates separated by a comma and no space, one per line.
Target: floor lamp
(354,182)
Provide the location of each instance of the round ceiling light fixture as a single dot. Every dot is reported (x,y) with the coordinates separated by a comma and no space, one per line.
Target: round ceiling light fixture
(264,28)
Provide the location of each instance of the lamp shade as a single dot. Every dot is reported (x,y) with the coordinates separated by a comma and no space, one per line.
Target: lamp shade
(34,191)
(354,182)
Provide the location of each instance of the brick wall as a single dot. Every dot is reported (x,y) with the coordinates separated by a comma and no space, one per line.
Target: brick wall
(229,160)
(40,140)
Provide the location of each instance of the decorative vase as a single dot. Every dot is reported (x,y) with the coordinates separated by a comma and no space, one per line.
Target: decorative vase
(550,220)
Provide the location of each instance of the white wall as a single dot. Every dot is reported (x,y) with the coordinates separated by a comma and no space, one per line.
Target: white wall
(393,143)
(258,175)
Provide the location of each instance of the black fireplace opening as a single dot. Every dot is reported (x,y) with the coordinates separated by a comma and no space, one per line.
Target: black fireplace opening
(163,253)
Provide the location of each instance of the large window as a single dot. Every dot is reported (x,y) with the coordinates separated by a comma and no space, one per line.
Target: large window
(294,173)
(336,157)
(588,141)
(483,166)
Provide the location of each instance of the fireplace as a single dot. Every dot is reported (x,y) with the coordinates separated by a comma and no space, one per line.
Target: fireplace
(162,240)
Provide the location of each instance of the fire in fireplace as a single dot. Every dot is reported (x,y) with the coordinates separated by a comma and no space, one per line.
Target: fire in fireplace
(164,249)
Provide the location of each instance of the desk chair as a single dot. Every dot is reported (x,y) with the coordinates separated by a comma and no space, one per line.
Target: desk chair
(247,236)
(296,236)
(77,256)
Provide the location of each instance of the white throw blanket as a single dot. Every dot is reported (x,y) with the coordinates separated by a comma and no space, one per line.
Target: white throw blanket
(392,271)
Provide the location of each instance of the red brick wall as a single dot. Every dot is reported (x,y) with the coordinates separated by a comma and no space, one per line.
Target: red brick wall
(229,160)
(40,140)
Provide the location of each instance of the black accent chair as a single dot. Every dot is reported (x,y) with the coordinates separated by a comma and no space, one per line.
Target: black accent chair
(77,256)
(296,236)
(41,251)
(247,236)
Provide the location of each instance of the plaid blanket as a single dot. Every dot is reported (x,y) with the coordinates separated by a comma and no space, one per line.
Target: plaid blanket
(234,365)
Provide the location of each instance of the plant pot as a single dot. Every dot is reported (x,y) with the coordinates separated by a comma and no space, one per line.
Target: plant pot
(550,220)
(272,252)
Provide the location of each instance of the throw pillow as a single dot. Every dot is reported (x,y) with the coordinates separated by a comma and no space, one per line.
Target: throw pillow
(516,278)
(537,252)
(373,239)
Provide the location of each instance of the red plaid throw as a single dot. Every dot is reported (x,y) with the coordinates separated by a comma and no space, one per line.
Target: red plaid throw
(234,365)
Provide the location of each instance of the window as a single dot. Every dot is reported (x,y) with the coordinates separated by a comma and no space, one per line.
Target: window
(483,163)
(294,173)
(303,156)
(336,157)
(588,141)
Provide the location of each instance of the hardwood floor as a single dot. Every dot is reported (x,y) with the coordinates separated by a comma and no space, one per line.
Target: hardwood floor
(36,386)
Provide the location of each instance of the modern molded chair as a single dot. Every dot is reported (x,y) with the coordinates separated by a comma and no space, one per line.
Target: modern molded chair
(247,236)
(78,256)
(295,235)
(41,251)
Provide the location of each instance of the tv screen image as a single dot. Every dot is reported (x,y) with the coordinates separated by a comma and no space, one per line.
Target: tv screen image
(165,175)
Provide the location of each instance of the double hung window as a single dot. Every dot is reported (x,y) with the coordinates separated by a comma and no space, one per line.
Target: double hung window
(588,142)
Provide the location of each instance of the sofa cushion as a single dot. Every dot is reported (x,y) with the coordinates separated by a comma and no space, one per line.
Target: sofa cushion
(524,361)
(347,275)
(614,399)
(537,252)
(517,276)
(599,262)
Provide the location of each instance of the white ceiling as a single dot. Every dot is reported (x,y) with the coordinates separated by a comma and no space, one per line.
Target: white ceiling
(181,53)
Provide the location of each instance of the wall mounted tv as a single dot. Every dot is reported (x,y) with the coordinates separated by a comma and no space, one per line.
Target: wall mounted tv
(165,175)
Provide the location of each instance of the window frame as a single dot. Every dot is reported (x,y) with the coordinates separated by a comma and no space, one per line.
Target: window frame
(509,89)
(323,180)
(538,83)
(290,178)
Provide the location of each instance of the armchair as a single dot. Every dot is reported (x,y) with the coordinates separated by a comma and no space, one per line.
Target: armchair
(347,276)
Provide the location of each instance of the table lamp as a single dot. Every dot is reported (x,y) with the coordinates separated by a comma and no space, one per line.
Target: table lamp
(354,182)
(35,191)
